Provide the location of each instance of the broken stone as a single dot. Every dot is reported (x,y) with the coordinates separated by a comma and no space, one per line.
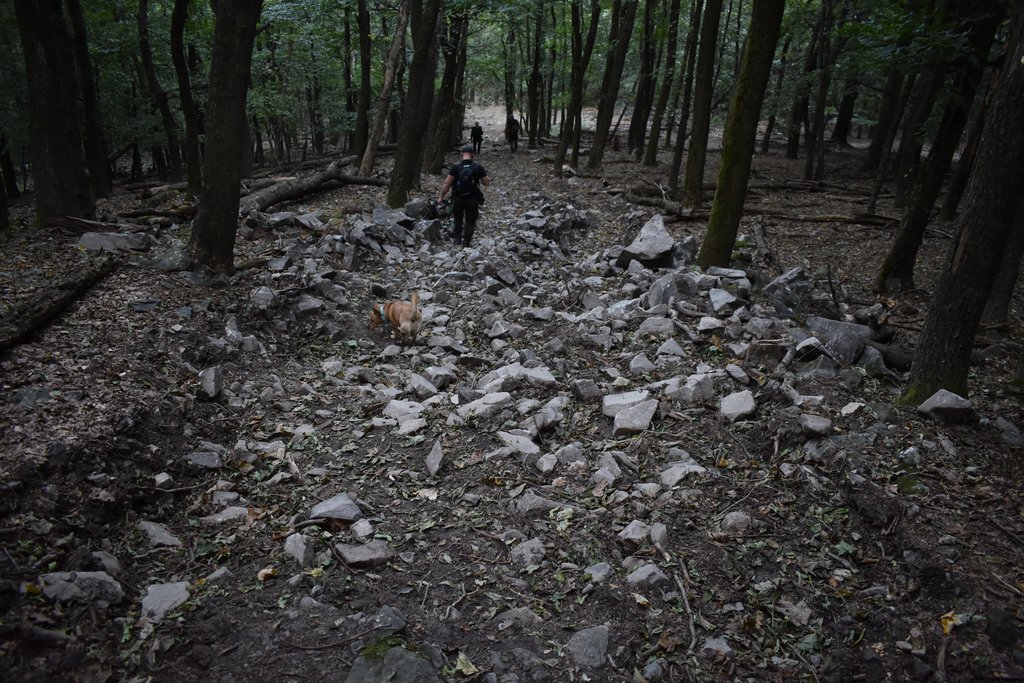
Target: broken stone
(737,406)
(633,536)
(635,419)
(945,406)
(300,547)
(528,553)
(212,381)
(163,598)
(340,507)
(434,458)
(82,587)
(366,555)
(815,426)
(158,534)
(647,575)
(614,403)
(736,521)
(589,646)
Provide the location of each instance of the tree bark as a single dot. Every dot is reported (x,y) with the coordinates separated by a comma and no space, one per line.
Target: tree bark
(667,78)
(955,191)
(157,93)
(769,128)
(693,181)
(887,116)
(624,14)
(444,132)
(95,144)
(535,83)
(418,100)
(213,231)
(300,187)
(696,11)
(844,117)
(58,170)
(993,195)
(799,113)
(644,99)
(920,104)
(8,174)
(362,132)
(997,309)
(581,52)
(902,257)
(740,133)
(189,110)
(384,102)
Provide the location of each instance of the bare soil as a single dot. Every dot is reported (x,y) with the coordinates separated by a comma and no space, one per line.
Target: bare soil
(876,550)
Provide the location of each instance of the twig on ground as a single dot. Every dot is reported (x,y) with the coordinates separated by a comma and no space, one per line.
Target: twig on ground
(336,643)
(940,661)
(814,674)
(681,584)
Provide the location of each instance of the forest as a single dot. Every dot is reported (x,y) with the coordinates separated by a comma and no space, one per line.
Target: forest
(727,387)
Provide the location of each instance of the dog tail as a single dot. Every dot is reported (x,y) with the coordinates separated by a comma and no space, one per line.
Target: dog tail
(415,299)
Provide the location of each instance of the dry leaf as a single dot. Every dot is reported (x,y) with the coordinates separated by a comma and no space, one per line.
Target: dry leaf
(266,573)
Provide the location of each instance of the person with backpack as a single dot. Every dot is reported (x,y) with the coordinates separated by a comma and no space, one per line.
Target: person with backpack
(512,133)
(464,180)
(476,134)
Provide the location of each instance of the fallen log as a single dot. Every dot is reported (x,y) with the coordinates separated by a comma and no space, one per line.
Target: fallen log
(80,226)
(184,213)
(25,320)
(300,187)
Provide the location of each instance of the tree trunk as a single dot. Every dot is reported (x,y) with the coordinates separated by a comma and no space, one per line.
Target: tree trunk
(157,93)
(887,116)
(362,132)
(418,101)
(213,231)
(95,144)
(741,133)
(8,173)
(535,84)
(644,98)
(508,51)
(964,167)
(799,113)
(189,111)
(346,74)
(769,128)
(623,16)
(667,78)
(902,256)
(696,11)
(844,117)
(693,182)
(922,100)
(581,52)
(58,170)
(384,102)
(443,132)
(997,309)
(993,195)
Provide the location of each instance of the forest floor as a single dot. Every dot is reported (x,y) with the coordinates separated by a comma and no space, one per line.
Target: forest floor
(496,526)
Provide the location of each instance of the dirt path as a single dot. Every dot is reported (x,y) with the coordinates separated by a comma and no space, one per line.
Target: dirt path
(547,545)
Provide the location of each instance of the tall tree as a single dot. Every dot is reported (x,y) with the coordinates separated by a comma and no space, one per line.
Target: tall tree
(189,109)
(887,116)
(418,100)
(623,16)
(444,132)
(740,133)
(384,101)
(780,78)
(696,11)
(943,353)
(581,52)
(704,86)
(157,92)
(362,131)
(95,142)
(213,232)
(643,100)
(535,84)
(58,170)
(980,28)
(667,79)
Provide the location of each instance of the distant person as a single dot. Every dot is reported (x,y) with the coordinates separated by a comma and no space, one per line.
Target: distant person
(512,133)
(476,134)
(464,180)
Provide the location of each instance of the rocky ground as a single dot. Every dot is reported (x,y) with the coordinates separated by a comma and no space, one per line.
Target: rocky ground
(596,463)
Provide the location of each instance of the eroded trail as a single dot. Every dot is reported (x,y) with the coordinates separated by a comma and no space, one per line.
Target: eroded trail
(585,466)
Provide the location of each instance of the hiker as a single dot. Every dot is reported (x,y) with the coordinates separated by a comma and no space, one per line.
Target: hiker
(512,133)
(476,134)
(464,179)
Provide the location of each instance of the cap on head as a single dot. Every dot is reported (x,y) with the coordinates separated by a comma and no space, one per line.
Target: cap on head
(468,149)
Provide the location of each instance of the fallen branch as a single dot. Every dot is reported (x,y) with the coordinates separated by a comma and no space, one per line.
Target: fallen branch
(681,584)
(23,321)
(300,187)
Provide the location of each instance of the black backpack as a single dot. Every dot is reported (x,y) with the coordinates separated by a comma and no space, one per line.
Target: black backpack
(465,182)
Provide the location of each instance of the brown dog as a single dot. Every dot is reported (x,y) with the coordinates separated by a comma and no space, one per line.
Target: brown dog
(403,317)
